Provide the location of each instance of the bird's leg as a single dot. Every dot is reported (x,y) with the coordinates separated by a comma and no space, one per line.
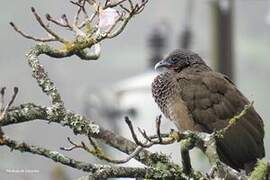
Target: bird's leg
(186,161)
(158,122)
(186,145)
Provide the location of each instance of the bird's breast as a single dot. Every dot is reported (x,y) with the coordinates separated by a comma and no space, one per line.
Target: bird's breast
(166,94)
(162,90)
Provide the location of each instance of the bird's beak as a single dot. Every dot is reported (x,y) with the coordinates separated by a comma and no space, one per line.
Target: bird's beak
(161,64)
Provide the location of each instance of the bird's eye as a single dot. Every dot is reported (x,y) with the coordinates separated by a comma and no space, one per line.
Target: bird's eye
(174,60)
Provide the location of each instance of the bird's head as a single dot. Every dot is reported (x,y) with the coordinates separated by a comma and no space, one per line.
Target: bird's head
(179,59)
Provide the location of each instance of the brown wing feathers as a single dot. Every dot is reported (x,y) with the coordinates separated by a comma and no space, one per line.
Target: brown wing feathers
(212,101)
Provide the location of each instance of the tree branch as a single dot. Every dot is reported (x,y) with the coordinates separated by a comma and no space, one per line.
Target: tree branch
(80,125)
(84,38)
(54,155)
(96,171)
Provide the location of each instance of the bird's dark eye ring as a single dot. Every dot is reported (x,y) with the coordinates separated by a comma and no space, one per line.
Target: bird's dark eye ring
(174,59)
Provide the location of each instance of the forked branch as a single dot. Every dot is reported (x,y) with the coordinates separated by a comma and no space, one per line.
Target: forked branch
(105,22)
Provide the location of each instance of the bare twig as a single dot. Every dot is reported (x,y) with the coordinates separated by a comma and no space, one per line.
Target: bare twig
(121,28)
(134,136)
(2,92)
(4,110)
(74,146)
(53,34)
(2,113)
(151,140)
(125,9)
(111,5)
(88,20)
(94,144)
(81,5)
(143,133)
(65,19)
(131,4)
(27,36)
(141,7)
(98,152)
(77,17)
(62,23)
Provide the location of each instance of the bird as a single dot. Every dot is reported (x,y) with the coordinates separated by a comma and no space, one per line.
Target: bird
(196,98)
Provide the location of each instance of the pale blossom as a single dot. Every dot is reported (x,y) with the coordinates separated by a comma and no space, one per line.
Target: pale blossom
(107,18)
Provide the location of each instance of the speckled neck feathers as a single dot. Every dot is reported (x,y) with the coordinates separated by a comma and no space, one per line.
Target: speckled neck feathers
(163,88)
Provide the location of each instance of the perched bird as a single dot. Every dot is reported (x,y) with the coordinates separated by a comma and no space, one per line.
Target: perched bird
(197,98)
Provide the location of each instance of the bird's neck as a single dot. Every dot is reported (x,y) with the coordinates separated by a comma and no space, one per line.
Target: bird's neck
(196,68)
(163,87)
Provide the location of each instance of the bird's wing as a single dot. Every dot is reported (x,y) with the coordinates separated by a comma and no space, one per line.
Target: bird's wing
(212,99)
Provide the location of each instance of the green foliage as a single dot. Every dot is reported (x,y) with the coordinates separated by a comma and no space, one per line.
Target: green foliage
(261,171)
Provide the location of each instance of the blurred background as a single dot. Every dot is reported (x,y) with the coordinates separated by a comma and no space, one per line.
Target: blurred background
(231,36)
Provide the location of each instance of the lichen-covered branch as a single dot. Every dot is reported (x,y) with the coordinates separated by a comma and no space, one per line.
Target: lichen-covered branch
(80,125)
(54,155)
(261,171)
(42,78)
(159,171)
(96,171)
